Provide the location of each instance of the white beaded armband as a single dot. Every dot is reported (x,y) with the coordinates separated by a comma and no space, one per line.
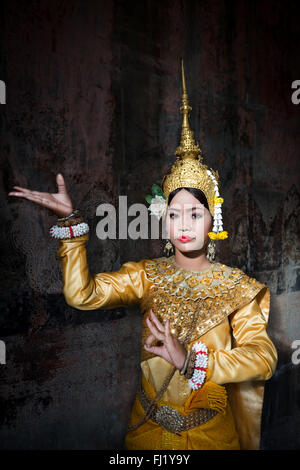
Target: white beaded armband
(198,377)
(69,232)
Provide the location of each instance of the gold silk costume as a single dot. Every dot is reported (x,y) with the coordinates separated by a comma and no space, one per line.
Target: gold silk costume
(232,310)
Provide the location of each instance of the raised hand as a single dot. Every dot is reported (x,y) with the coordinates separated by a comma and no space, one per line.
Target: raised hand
(60,202)
(172,350)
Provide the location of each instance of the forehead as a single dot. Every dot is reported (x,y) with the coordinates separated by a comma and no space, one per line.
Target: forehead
(185,198)
(186,207)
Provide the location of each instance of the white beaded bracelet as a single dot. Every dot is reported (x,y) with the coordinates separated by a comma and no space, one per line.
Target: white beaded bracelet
(198,377)
(69,232)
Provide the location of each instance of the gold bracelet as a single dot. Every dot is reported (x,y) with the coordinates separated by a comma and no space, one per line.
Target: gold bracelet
(75,212)
(69,222)
(191,365)
(72,219)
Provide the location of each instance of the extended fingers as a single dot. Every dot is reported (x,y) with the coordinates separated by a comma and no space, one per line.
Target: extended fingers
(159,326)
(21,189)
(169,337)
(23,192)
(33,196)
(167,328)
(154,330)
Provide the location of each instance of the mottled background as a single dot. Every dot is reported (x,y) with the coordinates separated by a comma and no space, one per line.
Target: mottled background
(93,91)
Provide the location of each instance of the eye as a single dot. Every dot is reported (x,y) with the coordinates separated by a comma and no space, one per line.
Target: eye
(173,216)
(197,216)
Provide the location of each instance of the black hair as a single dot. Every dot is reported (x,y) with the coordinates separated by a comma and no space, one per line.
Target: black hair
(197,193)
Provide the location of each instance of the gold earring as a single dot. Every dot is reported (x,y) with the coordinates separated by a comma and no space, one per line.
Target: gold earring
(168,248)
(211,251)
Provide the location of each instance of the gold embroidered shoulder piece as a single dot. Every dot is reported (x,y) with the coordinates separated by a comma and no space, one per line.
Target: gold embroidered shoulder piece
(192,285)
(175,293)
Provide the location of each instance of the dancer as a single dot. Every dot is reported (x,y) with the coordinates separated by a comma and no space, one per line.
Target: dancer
(205,350)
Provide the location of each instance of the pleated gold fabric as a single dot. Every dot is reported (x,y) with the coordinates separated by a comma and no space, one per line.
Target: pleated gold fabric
(233,311)
(219,433)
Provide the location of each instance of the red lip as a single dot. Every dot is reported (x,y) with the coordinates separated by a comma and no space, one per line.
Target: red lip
(184,239)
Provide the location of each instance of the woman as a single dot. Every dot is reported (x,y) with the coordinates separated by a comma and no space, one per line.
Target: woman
(205,349)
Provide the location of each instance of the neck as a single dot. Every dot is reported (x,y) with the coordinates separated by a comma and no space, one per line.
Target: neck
(192,261)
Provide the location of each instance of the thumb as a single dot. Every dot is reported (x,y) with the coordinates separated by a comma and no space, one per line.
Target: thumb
(61,183)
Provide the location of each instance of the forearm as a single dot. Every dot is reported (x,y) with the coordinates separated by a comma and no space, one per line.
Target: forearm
(255,361)
(86,291)
(253,355)
(79,287)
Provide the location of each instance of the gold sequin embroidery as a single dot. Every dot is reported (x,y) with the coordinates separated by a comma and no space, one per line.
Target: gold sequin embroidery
(214,293)
(186,284)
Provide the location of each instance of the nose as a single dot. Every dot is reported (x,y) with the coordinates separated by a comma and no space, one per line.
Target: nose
(185,225)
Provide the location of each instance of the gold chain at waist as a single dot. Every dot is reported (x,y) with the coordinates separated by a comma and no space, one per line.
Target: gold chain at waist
(171,420)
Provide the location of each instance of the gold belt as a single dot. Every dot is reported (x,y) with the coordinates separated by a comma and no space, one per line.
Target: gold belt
(171,420)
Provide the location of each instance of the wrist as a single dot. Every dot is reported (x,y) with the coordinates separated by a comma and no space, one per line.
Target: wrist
(73,212)
(184,363)
(190,365)
(71,226)
(200,369)
(73,218)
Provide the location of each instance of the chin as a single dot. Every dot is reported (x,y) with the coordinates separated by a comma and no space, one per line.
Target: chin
(189,247)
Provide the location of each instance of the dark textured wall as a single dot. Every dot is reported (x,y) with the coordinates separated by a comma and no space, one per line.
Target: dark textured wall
(93,91)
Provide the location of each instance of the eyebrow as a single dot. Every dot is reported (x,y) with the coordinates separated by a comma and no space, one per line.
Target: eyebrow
(190,209)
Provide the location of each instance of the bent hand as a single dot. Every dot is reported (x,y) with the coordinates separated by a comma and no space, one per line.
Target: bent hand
(172,350)
(60,202)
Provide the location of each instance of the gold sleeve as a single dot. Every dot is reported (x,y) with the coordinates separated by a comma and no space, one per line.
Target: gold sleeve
(254,356)
(86,291)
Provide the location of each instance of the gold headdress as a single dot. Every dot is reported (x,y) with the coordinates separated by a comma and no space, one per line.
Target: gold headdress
(189,170)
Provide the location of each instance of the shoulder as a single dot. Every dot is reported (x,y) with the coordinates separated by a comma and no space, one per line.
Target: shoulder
(250,290)
(244,277)
(136,266)
(145,263)
(222,278)
(141,264)
(146,267)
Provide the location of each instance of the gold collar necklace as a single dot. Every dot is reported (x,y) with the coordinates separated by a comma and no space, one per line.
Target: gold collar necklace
(186,284)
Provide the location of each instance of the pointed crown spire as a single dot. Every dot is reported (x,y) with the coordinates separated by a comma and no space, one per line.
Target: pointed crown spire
(189,171)
(188,148)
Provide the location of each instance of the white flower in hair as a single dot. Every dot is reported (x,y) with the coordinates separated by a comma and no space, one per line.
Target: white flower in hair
(157,201)
(157,206)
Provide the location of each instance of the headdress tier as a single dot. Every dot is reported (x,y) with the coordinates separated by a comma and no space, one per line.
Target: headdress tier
(189,170)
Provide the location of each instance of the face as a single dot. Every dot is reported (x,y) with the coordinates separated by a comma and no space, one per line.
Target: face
(187,222)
